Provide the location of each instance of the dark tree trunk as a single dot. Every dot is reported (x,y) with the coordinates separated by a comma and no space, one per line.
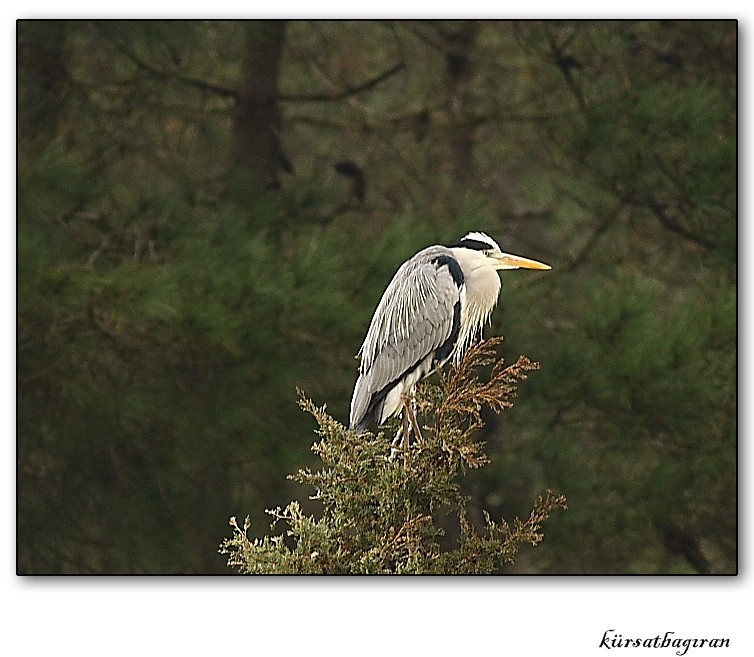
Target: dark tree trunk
(257,120)
(459,69)
(43,81)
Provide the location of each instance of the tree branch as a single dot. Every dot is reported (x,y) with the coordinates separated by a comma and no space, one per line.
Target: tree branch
(204,85)
(660,212)
(349,91)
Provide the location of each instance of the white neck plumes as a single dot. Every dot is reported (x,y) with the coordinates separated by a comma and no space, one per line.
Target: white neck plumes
(481,290)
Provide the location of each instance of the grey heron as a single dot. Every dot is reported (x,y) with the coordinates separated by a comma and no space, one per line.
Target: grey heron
(430,313)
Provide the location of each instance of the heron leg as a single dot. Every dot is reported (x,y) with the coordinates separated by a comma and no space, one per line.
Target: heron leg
(404,427)
(408,423)
(394,449)
(408,405)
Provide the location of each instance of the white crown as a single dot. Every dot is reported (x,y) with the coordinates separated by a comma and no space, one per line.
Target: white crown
(483,237)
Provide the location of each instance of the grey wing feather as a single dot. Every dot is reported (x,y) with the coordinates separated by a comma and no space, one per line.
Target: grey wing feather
(413,318)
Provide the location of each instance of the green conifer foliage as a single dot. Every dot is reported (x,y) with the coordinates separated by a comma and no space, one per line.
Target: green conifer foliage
(379,515)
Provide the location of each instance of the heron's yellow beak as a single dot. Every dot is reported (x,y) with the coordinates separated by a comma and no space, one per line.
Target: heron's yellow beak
(508,261)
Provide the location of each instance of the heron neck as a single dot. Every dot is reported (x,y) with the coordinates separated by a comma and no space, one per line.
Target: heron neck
(481,290)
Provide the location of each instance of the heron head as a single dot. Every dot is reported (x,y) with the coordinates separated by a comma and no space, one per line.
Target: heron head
(494,255)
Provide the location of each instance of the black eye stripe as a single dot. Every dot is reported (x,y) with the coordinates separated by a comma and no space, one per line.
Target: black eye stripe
(477,245)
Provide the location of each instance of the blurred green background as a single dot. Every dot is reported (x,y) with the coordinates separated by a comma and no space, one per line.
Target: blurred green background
(208,213)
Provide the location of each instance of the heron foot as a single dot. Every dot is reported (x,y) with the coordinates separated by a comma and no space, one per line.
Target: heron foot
(409,424)
(394,446)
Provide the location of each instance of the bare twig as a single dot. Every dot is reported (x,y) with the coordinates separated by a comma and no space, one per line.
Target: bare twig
(348,91)
(204,85)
